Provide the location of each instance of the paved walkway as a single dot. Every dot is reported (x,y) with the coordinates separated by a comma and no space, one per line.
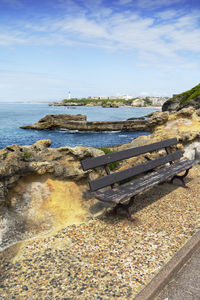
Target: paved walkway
(186,284)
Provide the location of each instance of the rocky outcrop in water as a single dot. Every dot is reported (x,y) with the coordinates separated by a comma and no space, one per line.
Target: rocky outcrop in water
(55,121)
(78,122)
(111,104)
(186,99)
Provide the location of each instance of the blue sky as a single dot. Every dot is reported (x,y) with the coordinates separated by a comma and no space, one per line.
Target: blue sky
(96,47)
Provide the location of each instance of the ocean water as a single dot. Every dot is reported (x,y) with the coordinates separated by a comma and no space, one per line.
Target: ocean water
(13,115)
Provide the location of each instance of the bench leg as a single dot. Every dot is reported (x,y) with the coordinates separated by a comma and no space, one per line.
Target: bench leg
(181,178)
(125,207)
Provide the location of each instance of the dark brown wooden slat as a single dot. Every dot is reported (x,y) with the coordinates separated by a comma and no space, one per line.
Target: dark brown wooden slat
(126,191)
(125,154)
(136,170)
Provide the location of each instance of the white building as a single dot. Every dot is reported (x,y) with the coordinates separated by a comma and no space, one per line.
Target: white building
(103,97)
(126,97)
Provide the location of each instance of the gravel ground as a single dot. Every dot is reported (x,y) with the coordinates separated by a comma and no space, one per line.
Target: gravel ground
(107,258)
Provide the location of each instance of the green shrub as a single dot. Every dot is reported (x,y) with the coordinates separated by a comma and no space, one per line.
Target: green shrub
(112,166)
(26,154)
(94,101)
(188,95)
(5,155)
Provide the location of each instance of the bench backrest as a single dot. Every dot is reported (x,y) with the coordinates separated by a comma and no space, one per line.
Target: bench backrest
(104,160)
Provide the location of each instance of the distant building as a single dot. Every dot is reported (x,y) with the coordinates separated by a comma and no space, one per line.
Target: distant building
(103,97)
(126,97)
(154,101)
(113,97)
(158,101)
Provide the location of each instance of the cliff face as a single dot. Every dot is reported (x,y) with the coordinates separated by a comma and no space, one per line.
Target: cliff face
(64,163)
(43,188)
(186,99)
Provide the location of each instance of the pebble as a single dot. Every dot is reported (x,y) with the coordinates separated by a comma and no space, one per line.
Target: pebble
(107,258)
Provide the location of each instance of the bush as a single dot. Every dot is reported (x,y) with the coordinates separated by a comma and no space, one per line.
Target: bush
(112,166)
(26,154)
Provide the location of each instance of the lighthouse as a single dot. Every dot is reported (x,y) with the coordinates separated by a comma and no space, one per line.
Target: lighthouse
(69,95)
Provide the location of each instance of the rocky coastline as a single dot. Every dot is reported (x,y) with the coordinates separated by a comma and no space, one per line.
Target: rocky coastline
(65,236)
(61,122)
(40,160)
(56,240)
(39,167)
(80,123)
(183,100)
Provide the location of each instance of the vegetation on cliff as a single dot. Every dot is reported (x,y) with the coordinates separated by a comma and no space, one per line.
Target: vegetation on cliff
(104,102)
(185,99)
(189,95)
(85,101)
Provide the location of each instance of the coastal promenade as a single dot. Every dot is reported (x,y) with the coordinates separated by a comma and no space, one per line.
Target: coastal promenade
(106,258)
(186,283)
(179,278)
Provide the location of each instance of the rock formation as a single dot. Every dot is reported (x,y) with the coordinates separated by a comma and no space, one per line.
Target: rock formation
(186,99)
(78,122)
(38,159)
(111,104)
(183,124)
(42,188)
(54,121)
(40,184)
(64,163)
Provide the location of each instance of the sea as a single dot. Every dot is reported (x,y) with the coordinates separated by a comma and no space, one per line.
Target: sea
(14,115)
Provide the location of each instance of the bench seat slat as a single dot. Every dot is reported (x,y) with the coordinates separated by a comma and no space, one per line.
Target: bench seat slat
(127,190)
(136,170)
(125,154)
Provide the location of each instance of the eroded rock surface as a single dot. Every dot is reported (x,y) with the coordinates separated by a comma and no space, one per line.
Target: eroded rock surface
(98,126)
(43,188)
(38,159)
(55,121)
(183,124)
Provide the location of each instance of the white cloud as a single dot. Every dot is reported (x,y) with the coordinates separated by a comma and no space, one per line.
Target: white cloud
(11,38)
(169,14)
(83,27)
(145,37)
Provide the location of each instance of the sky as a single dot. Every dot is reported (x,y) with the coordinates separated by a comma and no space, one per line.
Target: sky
(98,48)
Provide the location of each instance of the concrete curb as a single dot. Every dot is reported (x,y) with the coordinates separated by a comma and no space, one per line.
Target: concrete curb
(170,269)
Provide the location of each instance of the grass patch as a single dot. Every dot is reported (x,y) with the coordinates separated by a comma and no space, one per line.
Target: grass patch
(112,166)
(27,155)
(188,95)
(5,155)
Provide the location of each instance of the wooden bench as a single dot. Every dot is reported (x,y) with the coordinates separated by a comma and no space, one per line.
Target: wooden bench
(143,176)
